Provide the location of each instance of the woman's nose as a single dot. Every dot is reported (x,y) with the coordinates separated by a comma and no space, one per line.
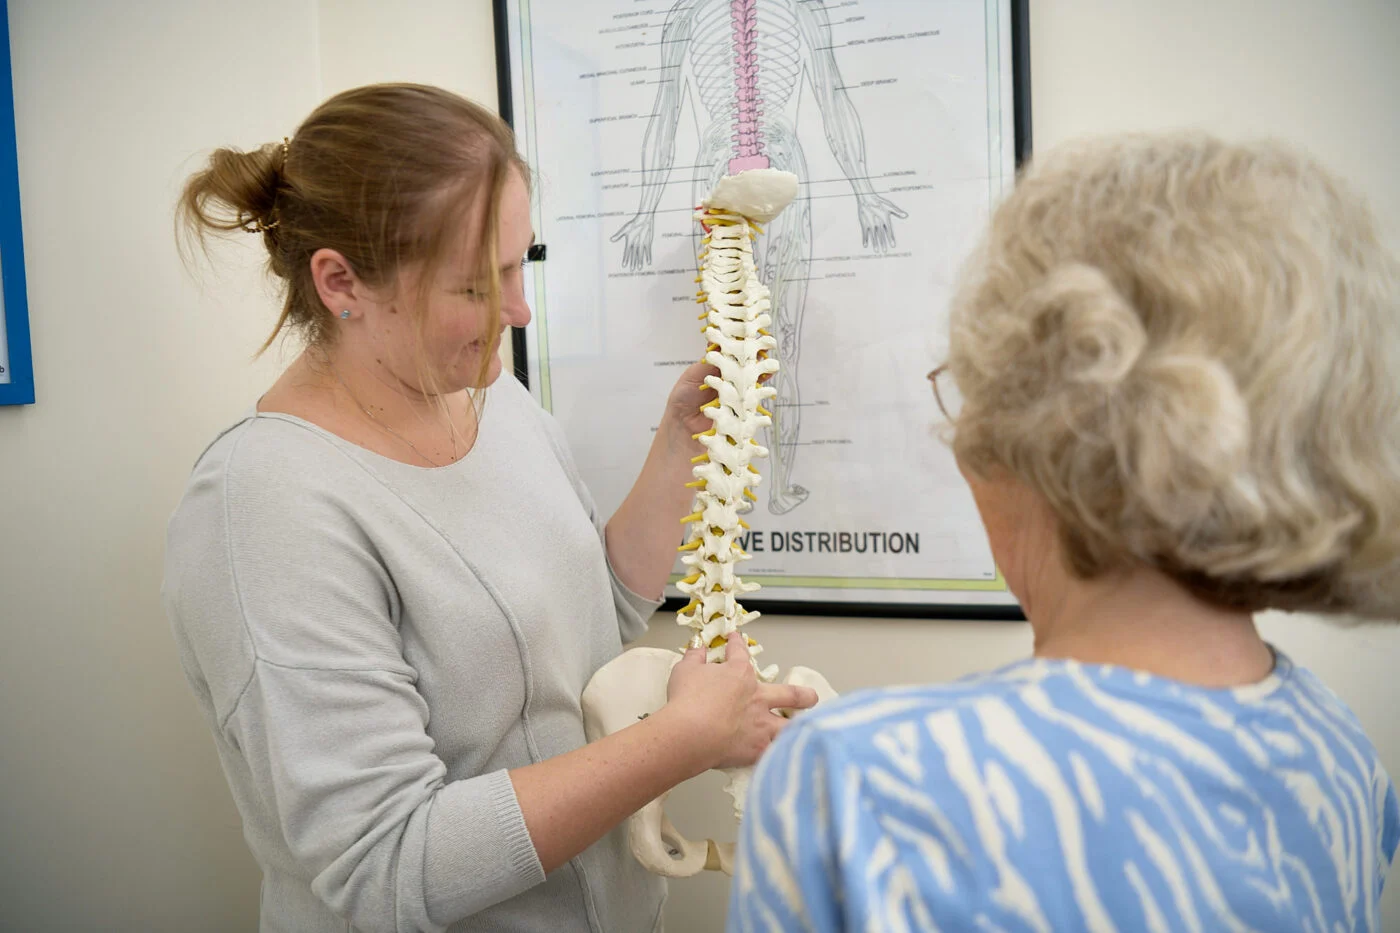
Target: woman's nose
(514,309)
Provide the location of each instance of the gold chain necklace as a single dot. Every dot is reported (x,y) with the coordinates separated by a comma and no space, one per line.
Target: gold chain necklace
(369,414)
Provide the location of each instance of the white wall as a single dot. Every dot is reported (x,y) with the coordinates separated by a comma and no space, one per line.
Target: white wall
(113,813)
(448,43)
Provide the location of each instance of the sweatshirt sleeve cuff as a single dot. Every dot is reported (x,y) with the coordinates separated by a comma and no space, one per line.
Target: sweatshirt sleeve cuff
(478,851)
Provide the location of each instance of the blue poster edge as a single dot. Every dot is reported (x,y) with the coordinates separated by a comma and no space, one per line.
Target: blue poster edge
(20,389)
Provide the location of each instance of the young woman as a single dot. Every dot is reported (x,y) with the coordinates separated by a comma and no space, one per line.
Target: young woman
(389,595)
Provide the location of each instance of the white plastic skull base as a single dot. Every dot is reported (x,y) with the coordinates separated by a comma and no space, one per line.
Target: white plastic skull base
(758,194)
(625,691)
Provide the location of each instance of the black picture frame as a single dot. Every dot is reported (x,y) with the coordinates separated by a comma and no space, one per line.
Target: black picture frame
(1021,124)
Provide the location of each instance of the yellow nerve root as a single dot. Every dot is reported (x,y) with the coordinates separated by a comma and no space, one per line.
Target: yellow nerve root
(721,639)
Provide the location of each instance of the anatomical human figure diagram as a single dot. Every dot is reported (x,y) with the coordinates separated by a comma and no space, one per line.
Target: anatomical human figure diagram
(744,63)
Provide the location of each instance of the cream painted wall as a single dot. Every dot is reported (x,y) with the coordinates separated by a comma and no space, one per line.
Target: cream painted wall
(444,42)
(113,812)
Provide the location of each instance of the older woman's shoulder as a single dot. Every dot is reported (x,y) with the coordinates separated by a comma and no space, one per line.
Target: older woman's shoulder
(872,705)
(867,720)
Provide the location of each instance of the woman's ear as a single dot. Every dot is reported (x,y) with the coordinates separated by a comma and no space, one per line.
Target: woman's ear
(336,283)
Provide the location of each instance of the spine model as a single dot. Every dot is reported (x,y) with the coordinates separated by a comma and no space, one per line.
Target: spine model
(736,320)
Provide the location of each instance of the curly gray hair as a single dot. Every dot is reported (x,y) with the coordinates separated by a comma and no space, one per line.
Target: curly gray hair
(1192,350)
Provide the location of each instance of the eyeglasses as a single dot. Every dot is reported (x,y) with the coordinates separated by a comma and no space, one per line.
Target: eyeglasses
(933,376)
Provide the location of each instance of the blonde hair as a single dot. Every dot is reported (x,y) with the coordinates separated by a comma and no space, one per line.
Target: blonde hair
(1192,351)
(382,174)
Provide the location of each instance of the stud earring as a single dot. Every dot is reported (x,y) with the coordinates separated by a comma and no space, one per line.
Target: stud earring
(345,315)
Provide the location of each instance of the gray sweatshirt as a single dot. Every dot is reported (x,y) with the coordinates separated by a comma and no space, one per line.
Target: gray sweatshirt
(375,644)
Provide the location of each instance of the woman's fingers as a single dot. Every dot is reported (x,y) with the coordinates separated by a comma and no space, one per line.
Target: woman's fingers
(736,649)
(787,696)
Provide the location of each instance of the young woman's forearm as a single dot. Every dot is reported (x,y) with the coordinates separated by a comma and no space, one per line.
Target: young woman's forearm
(572,800)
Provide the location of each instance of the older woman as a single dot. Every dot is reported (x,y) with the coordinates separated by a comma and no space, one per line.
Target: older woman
(1178,365)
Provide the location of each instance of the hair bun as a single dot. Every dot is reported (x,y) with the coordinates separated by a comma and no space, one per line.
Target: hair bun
(237,190)
(1182,431)
(1079,319)
(1168,425)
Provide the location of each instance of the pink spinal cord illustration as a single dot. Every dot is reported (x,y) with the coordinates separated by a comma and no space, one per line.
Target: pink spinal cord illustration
(748,124)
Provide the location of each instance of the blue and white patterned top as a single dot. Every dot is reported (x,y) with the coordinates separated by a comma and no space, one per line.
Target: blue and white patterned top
(1058,796)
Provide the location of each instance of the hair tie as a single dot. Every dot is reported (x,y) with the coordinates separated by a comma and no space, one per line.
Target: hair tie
(255,225)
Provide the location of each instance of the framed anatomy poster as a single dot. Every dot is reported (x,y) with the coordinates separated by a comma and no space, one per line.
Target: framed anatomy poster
(16,368)
(904,123)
